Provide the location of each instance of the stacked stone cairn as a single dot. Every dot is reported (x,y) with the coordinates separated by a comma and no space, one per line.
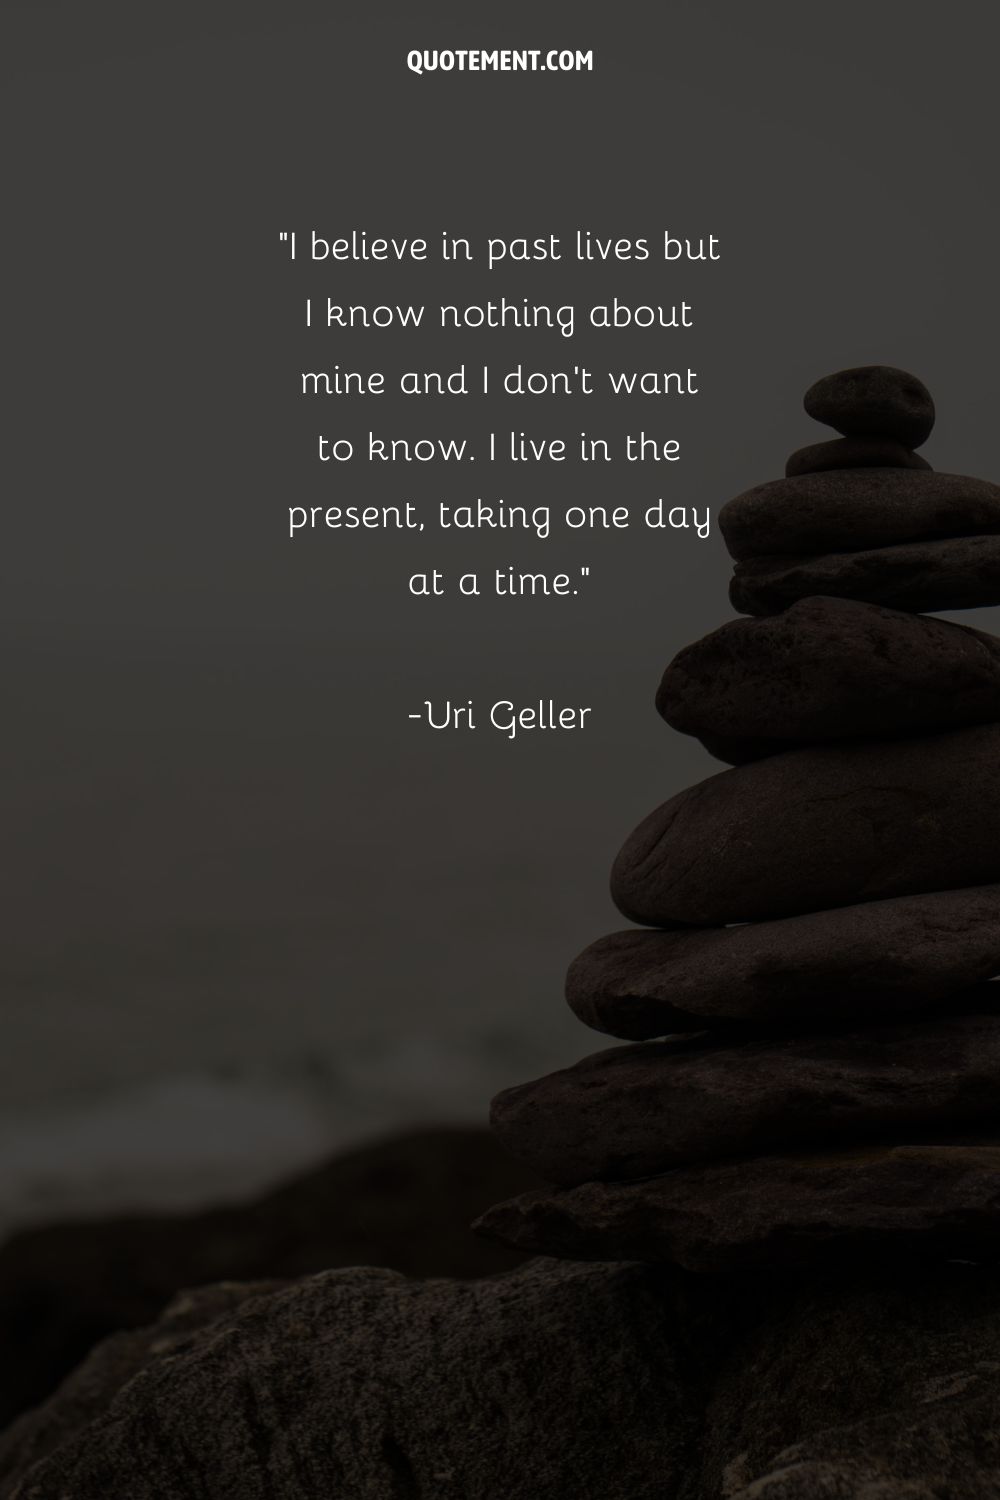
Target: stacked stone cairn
(813,1075)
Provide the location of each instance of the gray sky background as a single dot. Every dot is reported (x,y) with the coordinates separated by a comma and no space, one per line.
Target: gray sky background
(249,909)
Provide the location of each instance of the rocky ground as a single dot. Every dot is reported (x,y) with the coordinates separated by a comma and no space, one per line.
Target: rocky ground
(552,1382)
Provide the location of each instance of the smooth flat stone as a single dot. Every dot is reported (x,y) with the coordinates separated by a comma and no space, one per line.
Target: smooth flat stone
(811,829)
(829,669)
(910,954)
(887,1203)
(956,573)
(646,1108)
(854,453)
(873,401)
(852,510)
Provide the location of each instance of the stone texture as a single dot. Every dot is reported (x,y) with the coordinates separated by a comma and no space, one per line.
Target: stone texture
(884,1383)
(829,826)
(954,573)
(829,669)
(550,1384)
(854,510)
(647,1108)
(882,1386)
(895,1204)
(911,954)
(853,453)
(873,401)
(404,1202)
(84,1395)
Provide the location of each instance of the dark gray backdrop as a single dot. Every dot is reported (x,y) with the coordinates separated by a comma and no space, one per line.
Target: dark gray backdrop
(250,909)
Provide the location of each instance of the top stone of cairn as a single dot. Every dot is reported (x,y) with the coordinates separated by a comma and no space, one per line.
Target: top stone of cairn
(873,401)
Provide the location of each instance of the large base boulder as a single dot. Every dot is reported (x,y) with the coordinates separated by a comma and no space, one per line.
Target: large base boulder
(558,1382)
(553,1382)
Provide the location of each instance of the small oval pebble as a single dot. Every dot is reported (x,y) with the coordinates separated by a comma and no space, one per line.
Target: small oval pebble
(873,401)
(853,453)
